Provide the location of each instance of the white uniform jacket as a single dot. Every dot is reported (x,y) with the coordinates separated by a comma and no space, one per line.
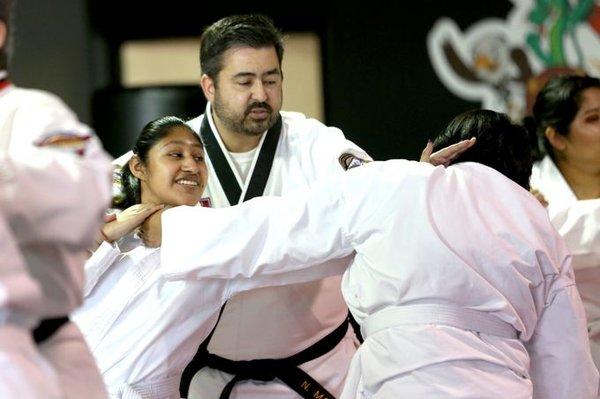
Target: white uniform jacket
(54,189)
(578,222)
(277,322)
(142,330)
(462,238)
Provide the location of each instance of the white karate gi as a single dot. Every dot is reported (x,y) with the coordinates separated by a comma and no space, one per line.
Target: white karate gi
(142,330)
(455,240)
(53,197)
(578,222)
(277,322)
(24,373)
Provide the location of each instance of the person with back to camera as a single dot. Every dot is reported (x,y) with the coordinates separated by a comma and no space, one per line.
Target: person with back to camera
(462,287)
(566,116)
(143,331)
(253,149)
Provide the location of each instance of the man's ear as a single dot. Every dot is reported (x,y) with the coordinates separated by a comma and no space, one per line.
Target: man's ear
(137,168)
(3,34)
(557,140)
(208,87)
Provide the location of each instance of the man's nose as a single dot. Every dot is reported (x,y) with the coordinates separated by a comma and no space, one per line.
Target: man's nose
(258,92)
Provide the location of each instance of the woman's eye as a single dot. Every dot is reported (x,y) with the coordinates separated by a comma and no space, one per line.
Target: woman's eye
(592,118)
(199,158)
(175,154)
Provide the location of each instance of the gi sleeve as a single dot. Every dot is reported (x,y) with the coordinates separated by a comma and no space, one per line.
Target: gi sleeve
(104,256)
(330,153)
(561,363)
(57,188)
(264,236)
(271,236)
(20,295)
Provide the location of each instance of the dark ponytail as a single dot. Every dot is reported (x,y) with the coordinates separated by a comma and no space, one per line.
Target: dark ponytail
(127,185)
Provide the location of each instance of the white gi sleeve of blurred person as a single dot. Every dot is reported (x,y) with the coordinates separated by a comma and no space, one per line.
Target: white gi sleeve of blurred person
(55,177)
(20,295)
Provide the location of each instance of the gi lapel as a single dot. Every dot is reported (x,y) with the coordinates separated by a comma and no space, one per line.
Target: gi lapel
(260,173)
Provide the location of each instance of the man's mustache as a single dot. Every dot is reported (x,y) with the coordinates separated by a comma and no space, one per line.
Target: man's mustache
(261,105)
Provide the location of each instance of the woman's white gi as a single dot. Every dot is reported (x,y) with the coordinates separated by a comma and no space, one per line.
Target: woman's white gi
(54,188)
(142,330)
(465,254)
(578,222)
(277,322)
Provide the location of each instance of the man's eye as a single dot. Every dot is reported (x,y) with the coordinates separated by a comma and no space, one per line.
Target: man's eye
(244,83)
(592,118)
(175,154)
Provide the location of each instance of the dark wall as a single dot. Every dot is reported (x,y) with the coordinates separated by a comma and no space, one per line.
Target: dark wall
(51,50)
(379,85)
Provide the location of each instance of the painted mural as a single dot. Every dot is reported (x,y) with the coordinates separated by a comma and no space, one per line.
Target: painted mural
(503,63)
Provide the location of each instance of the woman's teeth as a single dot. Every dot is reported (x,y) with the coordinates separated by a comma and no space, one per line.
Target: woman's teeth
(187,182)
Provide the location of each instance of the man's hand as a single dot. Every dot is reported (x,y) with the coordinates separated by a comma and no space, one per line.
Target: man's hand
(128,220)
(445,155)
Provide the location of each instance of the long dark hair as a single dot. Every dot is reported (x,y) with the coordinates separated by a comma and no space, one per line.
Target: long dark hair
(152,133)
(501,144)
(556,105)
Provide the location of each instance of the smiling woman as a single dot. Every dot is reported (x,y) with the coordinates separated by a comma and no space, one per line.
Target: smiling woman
(142,330)
(167,169)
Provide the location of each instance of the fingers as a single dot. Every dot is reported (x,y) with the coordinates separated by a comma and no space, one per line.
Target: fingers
(426,153)
(446,155)
(154,208)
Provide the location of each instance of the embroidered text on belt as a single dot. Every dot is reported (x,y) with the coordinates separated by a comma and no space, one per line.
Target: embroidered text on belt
(286,370)
(449,315)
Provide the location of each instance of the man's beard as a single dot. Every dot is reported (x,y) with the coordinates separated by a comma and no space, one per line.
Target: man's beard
(244,124)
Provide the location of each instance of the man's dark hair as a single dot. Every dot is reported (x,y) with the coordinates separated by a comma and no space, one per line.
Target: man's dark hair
(557,104)
(5,17)
(256,31)
(500,144)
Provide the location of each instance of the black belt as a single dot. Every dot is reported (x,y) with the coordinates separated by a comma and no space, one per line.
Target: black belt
(47,328)
(286,369)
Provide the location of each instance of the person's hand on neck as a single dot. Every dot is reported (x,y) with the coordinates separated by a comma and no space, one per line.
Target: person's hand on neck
(151,229)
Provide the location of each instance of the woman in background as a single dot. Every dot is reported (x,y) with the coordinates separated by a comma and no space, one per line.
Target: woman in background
(567,120)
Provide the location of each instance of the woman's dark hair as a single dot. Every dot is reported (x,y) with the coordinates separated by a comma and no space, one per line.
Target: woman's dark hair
(500,144)
(6,17)
(152,133)
(556,106)
(254,31)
